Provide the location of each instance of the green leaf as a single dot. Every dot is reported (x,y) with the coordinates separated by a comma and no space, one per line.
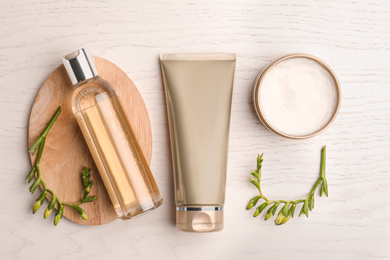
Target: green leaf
(253,202)
(260,209)
(85,194)
(275,206)
(305,209)
(80,211)
(271,210)
(31,174)
(301,212)
(311,202)
(35,185)
(325,186)
(284,210)
(52,203)
(33,148)
(42,197)
(89,199)
(255,174)
(292,210)
(256,183)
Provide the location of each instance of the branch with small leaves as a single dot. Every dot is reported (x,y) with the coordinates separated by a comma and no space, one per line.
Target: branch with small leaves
(289,206)
(35,172)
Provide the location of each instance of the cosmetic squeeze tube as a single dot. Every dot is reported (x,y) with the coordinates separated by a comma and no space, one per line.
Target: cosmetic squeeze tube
(198,91)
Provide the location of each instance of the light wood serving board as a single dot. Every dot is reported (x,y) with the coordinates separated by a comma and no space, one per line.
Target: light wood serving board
(66,152)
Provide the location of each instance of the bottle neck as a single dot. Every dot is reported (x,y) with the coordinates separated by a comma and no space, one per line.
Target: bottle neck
(85,82)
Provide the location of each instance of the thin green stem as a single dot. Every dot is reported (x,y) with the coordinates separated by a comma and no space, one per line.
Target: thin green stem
(34,146)
(51,123)
(261,193)
(38,171)
(39,145)
(286,201)
(259,181)
(74,204)
(39,140)
(313,190)
(44,185)
(40,152)
(288,204)
(293,201)
(58,201)
(51,192)
(323,162)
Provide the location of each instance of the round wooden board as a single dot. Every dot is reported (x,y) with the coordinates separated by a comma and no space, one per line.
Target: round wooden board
(66,152)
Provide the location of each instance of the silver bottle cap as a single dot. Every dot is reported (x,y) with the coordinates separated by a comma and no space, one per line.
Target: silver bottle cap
(80,66)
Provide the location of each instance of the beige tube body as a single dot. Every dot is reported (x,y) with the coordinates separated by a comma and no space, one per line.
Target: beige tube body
(198,89)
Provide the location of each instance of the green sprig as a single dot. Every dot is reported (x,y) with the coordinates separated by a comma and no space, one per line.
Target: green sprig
(289,206)
(38,145)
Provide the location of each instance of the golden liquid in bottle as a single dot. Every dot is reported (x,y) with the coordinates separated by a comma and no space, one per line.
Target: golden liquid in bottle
(112,143)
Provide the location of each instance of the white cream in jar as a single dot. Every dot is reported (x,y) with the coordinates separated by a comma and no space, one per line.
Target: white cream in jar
(297,96)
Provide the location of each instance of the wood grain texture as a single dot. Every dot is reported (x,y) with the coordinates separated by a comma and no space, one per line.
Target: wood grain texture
(66,152)
(353,37)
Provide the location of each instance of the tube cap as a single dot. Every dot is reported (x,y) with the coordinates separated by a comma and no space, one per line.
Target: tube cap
(199,219)
(80,66)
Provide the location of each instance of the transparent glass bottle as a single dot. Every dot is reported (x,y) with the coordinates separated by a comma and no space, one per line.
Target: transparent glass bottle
(110,139)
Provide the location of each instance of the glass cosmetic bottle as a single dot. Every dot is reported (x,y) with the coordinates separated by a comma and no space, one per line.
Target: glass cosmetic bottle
(110,139)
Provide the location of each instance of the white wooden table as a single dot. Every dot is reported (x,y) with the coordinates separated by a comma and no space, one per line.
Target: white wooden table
(351,36)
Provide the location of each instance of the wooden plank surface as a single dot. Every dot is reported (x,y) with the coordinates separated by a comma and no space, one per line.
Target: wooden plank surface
(353,37)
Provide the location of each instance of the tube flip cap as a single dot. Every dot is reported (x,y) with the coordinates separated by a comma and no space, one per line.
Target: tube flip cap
(199,219)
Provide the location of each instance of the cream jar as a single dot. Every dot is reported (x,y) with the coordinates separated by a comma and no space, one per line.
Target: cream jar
(297,96)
